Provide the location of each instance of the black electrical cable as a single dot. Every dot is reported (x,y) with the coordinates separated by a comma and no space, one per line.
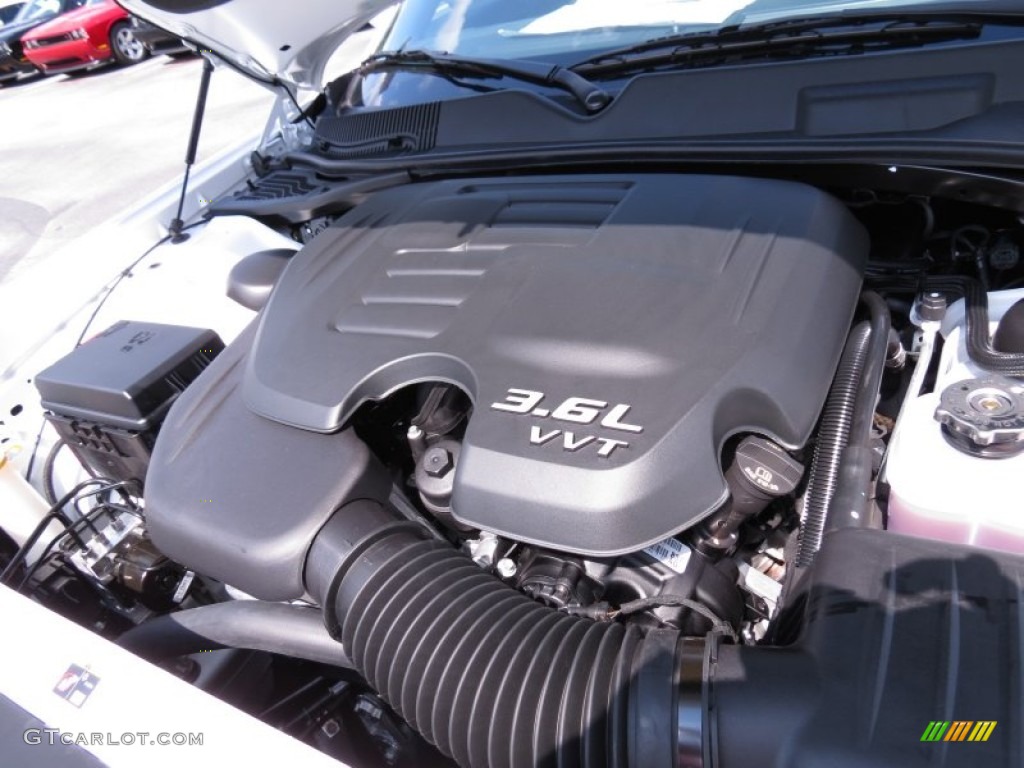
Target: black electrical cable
(319,703)
(35,450)
(103,592)
(175,234)
(976,250)
(908,267)
(55,512)
(126,272)
(298,693)
(88,323)
(268,80)
(86,521)
(660,601)
(120,485)
(50,557)
(291,96)
(117,281)
(49,489)
(79,498)
(603,611)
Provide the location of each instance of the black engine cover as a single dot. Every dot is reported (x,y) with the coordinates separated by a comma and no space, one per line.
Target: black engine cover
(612,331)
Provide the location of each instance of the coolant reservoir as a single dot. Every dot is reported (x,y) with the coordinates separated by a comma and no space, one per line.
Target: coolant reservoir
(962,480)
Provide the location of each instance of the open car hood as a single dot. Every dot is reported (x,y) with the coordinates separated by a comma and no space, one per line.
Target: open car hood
(267,39)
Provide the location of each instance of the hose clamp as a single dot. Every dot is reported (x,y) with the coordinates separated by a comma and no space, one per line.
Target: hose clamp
(690,703)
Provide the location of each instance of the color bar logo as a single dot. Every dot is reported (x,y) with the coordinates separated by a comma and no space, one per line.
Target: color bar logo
(958,730)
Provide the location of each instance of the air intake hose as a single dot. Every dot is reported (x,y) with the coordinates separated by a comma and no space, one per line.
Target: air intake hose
(497,680)
(491,677)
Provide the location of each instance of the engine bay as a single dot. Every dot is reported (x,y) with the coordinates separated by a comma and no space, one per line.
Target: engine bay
(485,424)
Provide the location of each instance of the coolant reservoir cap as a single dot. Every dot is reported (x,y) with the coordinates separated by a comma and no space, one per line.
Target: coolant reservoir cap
(984,417)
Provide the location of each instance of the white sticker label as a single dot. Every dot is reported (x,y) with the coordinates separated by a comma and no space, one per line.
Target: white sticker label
(671,552)
(186,582)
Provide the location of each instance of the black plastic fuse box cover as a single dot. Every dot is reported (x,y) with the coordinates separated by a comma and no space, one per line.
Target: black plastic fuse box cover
(129,375)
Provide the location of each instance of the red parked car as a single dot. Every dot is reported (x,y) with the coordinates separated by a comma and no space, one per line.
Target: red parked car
(96,33)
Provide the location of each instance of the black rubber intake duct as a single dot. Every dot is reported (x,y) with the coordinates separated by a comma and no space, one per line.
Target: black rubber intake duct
(488,675)
(898,638)
(889,636)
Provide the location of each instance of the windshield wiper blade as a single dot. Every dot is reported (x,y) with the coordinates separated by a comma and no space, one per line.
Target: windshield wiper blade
(591,96)
(791,38)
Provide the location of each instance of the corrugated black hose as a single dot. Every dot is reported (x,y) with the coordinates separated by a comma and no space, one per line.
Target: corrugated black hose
(851,503)
(979,344)
(837,494)
(832,438)
(491,677)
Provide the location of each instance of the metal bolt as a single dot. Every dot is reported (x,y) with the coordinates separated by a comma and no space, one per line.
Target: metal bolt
(417,441)
(330,728)
(506,568)
(437,462)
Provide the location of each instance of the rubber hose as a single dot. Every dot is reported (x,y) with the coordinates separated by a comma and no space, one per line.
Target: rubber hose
(850,505)
(289,630)
(979,344)
(489,676)
(832,438)
(874,367)
(49,487)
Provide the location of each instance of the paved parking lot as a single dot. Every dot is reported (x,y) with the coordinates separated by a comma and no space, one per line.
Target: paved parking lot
(75,151)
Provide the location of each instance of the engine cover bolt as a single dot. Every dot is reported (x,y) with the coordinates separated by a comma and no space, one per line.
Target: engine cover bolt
(438,462)
(506,568)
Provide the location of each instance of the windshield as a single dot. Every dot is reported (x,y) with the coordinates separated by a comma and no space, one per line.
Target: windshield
(36,9)
(544,28)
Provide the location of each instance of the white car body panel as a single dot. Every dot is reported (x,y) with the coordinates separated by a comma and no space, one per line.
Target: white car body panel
(268,38)
(132,696)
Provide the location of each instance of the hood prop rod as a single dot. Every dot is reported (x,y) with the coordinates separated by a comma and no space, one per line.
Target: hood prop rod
(175,229)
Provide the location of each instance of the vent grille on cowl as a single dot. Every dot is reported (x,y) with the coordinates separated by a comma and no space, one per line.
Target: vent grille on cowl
(403,129)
